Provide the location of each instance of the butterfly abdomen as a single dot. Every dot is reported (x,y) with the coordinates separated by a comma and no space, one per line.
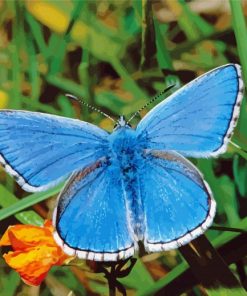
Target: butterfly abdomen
(135,212)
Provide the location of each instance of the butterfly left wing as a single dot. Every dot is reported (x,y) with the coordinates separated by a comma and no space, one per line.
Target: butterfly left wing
(177,203)
(198,119)
(91,217)
(38,149)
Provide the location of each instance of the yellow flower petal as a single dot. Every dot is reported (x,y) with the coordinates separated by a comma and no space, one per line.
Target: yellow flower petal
(33,263)
(25,236)
(49,15)
(5,241)
(35,251)
(3,99)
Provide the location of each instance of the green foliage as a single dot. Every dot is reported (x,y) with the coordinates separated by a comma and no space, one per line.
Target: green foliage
(116,55)
(8,282)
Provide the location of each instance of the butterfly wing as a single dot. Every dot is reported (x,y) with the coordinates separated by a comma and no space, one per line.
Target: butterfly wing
(198,119)
(91,217)
(177,203)
(40,149)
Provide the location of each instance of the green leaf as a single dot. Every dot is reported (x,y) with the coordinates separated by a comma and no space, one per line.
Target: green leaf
(163,55)
(226,236)
(68,279)
(12,205)
(240,174)
(240,31)
(226,292)
(8,282)
(229,199)
(139,278)
(30,217)
(156,286)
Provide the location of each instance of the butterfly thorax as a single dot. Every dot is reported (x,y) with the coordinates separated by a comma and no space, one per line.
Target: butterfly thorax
(124,148)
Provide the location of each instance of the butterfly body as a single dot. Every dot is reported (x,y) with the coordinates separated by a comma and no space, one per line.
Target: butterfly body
(126,158)
(133,184)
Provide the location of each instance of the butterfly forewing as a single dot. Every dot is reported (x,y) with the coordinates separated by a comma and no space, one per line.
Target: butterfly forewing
(40,149)
(198,119)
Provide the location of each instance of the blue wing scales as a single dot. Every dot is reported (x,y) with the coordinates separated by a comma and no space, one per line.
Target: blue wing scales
(91,217)
(40,149)
(198,119)
(178,205)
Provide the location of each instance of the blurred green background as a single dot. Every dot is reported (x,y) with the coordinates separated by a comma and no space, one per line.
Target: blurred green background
(116,55)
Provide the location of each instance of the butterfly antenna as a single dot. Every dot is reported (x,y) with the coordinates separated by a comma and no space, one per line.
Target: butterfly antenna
(150,102)
(89,106)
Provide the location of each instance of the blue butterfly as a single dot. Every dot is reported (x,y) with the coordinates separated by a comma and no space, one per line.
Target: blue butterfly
(133,184)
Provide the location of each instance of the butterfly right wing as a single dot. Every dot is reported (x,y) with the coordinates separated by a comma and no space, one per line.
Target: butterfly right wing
(198,119)
(91,218)
(39,150)
(177,203)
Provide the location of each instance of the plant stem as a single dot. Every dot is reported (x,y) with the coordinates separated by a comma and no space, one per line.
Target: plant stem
(240,31)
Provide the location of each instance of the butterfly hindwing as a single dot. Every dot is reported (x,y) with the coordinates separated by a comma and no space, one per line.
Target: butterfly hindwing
(91,216)
(199,118)
(40,149)
(177,203)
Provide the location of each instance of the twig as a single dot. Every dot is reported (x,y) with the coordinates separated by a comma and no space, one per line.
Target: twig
(231,229)
(116,271)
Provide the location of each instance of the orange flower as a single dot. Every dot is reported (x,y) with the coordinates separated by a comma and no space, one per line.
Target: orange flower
(34,251)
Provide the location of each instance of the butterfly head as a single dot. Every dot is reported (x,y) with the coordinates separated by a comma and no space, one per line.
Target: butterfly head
(121,123)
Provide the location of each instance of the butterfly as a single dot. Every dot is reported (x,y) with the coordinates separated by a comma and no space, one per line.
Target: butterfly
(133,184)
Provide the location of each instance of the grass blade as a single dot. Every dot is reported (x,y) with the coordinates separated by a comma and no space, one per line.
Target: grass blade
(13,205)
(240,31)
